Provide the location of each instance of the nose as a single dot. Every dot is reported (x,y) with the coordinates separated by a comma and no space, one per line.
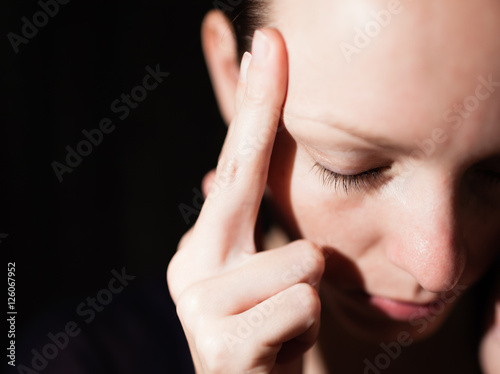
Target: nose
(428,242)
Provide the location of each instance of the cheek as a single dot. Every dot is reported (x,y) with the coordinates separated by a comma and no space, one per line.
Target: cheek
(361,227)
(311,210)
(346,223)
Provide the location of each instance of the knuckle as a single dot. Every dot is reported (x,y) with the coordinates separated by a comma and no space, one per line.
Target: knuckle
(214,352)
(177,279)
(173,278)
(228,171)
(191,305)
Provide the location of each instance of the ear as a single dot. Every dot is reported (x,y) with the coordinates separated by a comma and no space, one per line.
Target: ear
(220,50)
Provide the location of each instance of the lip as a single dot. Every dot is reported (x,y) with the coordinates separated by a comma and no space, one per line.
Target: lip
(395,309)
(402,310)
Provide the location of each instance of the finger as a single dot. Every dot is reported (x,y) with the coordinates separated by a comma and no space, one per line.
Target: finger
(242,82)
(489,349)
(293,315)
(260,277)
(233,201)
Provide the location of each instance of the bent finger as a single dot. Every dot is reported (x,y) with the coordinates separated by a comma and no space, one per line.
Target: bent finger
(291,315)
(264,275)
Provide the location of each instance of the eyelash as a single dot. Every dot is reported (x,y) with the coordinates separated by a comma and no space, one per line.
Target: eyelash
(370,178)
(348,183)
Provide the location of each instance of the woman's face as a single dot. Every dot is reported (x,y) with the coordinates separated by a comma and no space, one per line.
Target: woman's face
(409,92)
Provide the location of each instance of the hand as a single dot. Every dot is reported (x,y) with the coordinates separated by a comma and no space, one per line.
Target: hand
(490,344)
(245,311)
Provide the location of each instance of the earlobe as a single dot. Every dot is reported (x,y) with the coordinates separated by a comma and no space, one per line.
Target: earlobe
(220,50)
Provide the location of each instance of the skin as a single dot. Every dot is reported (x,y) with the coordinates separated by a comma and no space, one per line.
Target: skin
(423,231)
(417,234)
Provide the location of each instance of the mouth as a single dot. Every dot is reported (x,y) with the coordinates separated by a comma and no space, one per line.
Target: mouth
(404,310)
(398,310)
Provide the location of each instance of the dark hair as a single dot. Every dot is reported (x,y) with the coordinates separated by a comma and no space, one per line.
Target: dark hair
(246,17)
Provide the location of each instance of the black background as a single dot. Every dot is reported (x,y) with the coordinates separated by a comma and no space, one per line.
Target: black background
(120,206)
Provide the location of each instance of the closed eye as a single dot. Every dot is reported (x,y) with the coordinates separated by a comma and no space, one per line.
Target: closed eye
(355,182)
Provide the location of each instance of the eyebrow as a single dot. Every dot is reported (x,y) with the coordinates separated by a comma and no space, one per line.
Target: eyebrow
(378,141)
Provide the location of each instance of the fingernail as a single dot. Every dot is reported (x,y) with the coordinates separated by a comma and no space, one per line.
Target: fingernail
(260,47)
(245,62)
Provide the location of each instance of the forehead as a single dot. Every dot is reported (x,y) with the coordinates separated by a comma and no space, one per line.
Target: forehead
(393,66)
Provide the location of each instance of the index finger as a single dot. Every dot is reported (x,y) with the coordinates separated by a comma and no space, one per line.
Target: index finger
(231,208)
